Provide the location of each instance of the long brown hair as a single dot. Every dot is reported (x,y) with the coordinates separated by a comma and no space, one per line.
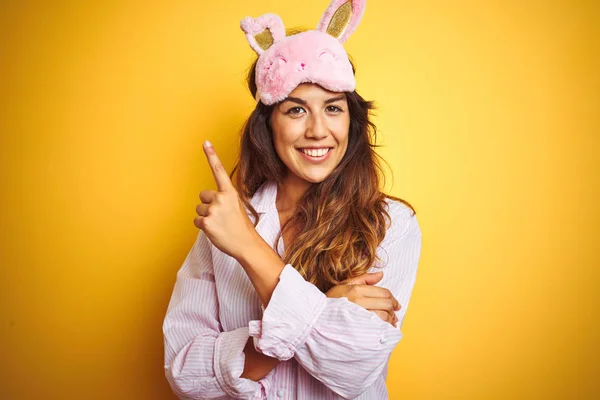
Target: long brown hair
(340,221)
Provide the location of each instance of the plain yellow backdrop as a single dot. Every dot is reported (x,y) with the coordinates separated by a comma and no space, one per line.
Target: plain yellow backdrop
(488,116)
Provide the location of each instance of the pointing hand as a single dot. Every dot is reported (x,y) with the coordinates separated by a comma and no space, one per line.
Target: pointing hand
(222,215)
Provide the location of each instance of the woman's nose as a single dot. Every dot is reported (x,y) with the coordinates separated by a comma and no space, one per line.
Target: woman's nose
(317,127)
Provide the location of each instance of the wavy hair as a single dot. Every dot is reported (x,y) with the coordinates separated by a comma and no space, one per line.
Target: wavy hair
(340,221)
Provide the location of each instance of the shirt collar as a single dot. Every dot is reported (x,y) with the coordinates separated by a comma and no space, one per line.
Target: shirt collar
(264,198)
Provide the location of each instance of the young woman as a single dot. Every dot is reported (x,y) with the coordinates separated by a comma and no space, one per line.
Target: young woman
(300,277)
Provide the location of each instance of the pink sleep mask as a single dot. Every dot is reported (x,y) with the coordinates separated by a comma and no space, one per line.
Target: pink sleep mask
(315,56)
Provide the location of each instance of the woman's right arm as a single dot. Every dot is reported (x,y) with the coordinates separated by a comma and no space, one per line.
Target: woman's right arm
(202,361)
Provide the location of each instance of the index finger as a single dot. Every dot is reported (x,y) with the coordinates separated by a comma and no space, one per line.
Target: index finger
(218,170)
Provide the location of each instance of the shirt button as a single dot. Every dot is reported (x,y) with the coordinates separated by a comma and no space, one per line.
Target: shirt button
(382,340)
(280,393)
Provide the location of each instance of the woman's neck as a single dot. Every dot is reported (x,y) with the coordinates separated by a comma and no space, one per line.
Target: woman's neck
(289,192)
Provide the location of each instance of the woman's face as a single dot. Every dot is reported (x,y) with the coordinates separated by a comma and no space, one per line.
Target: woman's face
(310,131)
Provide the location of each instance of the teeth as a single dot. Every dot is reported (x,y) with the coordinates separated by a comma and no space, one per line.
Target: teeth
(315,153)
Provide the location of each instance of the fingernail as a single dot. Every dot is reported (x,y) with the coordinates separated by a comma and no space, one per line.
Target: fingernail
(209,148)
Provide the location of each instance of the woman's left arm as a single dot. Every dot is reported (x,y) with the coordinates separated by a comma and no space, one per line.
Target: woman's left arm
(340,343)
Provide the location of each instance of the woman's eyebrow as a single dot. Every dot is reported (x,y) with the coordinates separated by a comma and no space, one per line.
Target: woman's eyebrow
(303,102)
(334,99)
(296,100)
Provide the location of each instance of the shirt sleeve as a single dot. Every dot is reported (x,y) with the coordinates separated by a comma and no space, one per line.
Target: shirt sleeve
(202,361)
(340,343)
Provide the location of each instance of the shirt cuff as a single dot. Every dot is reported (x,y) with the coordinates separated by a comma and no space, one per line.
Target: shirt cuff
(287,321)
(229,358)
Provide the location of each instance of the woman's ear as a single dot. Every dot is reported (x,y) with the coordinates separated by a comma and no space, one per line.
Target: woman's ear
(341,18)
(263,32)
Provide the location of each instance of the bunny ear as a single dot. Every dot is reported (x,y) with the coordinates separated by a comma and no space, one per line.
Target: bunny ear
(342,18)
(263,31)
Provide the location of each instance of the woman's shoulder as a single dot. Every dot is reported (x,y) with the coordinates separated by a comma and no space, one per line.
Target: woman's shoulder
(403,220)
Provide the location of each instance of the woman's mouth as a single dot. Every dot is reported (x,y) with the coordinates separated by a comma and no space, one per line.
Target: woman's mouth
(315,155)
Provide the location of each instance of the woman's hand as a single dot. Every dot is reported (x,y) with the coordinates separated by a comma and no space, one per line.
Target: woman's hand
(360,291)
(256,364)
(222,215)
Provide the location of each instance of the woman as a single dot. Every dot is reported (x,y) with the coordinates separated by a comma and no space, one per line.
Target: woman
(278,297)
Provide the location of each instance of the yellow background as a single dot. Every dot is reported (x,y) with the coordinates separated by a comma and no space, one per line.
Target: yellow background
(488,116)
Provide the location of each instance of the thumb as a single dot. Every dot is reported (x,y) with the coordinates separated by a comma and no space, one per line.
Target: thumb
(366,279)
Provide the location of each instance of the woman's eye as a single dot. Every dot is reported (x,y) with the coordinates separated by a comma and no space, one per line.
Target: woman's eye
(334,109)
(295,110)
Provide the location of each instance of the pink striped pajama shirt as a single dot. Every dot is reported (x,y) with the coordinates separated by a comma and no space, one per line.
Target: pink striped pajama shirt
(329,348)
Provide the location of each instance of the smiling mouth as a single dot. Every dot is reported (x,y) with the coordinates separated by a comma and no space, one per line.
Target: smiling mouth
(315,153)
